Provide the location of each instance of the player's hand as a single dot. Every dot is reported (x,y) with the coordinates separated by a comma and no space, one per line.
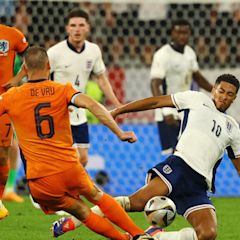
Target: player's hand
(128,136)
(11,83)
(170,120)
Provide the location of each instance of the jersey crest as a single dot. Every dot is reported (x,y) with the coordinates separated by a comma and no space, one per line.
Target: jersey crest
(229,126)
(167,169)
(89,65)
(4,47)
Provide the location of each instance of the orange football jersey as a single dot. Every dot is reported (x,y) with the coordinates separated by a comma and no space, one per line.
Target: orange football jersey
(12,41)
(39,113)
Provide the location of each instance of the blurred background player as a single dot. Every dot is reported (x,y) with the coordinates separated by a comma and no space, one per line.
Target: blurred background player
(12,41)
(173,68)
(73,60)
(9,192)
(46,130)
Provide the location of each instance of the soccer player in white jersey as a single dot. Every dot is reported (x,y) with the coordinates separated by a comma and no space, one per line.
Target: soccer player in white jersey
(72,60)
(188,174)
(173,68)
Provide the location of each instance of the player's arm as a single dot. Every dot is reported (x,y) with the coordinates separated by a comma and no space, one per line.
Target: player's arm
(84,101)
(236,163)
(202,81)
(155,86)
(16,79)
(144,104)
(106,87)
(20,46)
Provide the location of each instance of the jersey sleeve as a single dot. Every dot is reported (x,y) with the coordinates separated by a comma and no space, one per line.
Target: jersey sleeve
(99,66)
(70,92)
(21,43)
(195,66)
(184,100)
(52,56)
(4,102)
(234,149)
(158,67)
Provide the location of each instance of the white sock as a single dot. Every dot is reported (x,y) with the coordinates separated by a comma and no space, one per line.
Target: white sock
(123,201)
(183,234)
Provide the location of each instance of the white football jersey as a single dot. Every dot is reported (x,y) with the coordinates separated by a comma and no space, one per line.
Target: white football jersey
(176,68)
(73,67)
(205,133)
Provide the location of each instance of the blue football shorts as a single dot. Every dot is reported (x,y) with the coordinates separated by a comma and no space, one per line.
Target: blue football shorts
(187,188)
(168,135)
(80,135)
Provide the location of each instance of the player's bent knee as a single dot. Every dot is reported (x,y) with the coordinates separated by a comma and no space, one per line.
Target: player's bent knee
(79,209)
(95,195)
(207,234)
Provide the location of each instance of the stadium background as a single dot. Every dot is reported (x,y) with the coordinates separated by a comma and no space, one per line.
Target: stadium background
(128,34)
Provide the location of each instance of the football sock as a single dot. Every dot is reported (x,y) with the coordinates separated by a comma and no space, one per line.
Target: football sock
(11,181)
(3,178)
(183,234)
(123,201)
(116,214)
(102,226)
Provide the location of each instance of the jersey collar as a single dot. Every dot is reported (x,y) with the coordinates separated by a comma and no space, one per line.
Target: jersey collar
(37,80)
(73,48)
(180,50)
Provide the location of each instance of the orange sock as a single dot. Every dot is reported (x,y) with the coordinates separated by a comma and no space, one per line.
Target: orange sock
(116,214)
(102,226)
(3,178)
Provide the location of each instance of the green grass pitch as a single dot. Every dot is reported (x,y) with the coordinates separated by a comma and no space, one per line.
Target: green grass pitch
(27,223)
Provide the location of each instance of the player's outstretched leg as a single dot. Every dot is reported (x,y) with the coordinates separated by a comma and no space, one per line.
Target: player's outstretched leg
(9,193)
(116,214)
(94,222)
(183,234)
(122,200)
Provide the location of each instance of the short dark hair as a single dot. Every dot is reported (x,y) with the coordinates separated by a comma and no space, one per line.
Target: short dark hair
(77,12)
(229,78)
(36,58)
(181,22)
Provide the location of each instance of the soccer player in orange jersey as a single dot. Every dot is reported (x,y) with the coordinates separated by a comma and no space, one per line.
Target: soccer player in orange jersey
(12,41)
(39,112)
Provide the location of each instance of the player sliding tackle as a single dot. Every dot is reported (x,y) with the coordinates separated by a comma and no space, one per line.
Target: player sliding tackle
(188,174)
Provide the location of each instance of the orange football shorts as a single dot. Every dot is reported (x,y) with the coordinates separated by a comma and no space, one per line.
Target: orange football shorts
(60,191)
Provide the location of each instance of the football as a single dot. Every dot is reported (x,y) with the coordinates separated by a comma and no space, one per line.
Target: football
(160,211)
